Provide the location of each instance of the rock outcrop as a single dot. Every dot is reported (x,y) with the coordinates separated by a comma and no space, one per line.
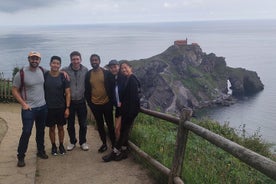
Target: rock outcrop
(244,82)
(184,76)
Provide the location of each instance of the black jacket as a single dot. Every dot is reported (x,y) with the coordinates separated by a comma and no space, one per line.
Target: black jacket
(130,97)
(121,84)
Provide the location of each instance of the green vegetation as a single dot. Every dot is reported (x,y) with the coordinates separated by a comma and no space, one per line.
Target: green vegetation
(200,82)
(6,87)
(5,90)
(204,162)
(15,70)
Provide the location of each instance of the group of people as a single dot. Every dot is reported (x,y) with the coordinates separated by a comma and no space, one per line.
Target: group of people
(54,97)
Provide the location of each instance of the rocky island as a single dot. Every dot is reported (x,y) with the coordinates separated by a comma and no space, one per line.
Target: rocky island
(185,76)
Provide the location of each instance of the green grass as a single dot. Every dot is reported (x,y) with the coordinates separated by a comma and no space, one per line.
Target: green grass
(203,162)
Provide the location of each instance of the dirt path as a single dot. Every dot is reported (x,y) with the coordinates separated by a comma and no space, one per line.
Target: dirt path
(3,128)
(76,166)
(83,167)
(9,172)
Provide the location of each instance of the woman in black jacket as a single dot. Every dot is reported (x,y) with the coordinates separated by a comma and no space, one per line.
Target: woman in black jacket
(130,107)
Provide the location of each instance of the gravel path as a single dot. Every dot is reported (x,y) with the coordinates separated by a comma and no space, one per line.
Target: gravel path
(74,167)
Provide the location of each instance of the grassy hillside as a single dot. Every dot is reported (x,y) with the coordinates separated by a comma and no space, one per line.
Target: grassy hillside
(203,162)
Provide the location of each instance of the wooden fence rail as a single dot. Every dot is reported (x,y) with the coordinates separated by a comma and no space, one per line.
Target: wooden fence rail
(255,160)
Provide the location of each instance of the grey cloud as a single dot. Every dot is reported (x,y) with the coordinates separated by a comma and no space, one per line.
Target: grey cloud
(12,6)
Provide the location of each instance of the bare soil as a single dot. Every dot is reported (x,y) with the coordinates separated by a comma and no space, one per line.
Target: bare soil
(3,129)
(76,166)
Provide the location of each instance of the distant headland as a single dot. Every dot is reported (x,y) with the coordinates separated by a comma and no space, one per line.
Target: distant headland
(185,76)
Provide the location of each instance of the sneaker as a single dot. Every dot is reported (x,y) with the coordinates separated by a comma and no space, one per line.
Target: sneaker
(42,155)
(70,147)
(61,149)
(111,156)
(54,151)
(102,149)
(84,147)
(120,156)
(21,162)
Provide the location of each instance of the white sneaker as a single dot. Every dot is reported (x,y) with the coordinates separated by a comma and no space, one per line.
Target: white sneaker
(70,147)
(84,147)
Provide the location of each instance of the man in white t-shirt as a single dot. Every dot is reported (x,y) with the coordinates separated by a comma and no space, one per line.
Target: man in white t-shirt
(28,89)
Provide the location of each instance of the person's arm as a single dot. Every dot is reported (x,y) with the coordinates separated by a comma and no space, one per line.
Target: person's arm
(87,92)
(68,99)
(17,96)
(133,96)
(65,74)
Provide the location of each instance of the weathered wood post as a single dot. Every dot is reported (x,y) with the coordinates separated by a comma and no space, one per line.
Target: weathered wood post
(180,146)
(9,89)
(1,88)
(5,89)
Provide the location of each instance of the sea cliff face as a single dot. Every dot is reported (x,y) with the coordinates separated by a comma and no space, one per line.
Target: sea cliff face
(184,76)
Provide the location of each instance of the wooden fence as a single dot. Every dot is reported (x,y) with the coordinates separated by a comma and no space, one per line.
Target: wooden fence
(255,160)
(5,90)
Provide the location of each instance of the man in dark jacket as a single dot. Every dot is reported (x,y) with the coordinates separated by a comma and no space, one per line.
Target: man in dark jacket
(99,98)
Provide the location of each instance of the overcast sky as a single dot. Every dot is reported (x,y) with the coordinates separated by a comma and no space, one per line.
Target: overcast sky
(44,12)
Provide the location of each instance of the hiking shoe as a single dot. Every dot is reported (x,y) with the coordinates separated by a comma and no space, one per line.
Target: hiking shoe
(42,155)
(70,147)
(61,149)
(119,157)
(21,162)
(54,151)
(124,154)
(111,156)
(102,149)
(84,147)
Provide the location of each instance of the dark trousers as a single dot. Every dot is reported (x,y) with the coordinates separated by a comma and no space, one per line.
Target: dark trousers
(126,126)
(81,110)
(37,115)
(101,113)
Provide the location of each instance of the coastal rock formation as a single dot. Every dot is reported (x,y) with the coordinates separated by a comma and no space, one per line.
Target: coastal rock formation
(184,76)
(244,82)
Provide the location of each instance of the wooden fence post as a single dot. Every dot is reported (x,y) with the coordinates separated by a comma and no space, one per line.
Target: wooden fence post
(9,89)
(180,146)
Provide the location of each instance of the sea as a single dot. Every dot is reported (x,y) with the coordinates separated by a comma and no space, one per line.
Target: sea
(249,44)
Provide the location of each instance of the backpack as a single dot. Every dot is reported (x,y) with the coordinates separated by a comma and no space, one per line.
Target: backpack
(22,86)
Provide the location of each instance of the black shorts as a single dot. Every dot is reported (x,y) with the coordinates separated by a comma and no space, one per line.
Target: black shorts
(55,117)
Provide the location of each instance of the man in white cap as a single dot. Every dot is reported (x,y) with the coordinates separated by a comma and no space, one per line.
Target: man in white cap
(28,89)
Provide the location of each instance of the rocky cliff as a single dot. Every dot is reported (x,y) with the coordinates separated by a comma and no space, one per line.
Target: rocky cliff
(184,76)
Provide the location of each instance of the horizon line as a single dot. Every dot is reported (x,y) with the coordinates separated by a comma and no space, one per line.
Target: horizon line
(138,22)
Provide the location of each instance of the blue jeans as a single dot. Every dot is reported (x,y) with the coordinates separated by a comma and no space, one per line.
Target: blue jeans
(37,115)
(81,110)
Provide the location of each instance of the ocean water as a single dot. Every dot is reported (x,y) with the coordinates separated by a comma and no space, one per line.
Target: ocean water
(246,44)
